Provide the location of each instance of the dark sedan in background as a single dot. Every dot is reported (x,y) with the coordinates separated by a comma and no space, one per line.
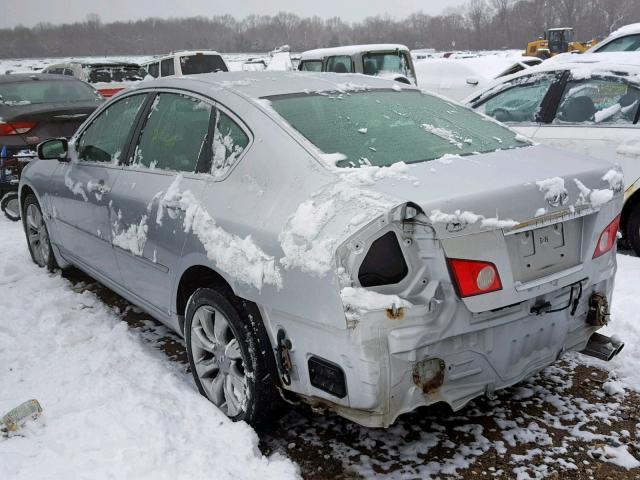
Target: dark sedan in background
(34,108)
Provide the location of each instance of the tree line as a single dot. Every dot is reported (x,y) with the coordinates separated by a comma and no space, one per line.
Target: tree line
(479,25)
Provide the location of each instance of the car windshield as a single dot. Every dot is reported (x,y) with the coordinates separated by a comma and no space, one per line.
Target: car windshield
(383,127)
(199,63)
(46,91)
(385,63)
(630,43)
(115,73)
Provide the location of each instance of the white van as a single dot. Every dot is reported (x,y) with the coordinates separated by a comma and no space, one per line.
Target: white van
(186,62)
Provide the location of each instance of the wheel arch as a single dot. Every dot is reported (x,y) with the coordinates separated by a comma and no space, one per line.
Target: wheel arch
(633,202)
(194,277)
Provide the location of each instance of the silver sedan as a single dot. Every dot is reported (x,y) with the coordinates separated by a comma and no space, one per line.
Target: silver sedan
(345,240)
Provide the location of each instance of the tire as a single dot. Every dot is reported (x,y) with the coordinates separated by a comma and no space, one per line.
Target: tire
(230,363)
(10,206)
(632,232)
(35,229)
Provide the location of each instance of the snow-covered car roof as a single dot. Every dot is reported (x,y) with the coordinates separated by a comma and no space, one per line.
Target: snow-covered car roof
(256,85)
(619,58)
(580,65)
(488,67)
(320,53)
(155,58)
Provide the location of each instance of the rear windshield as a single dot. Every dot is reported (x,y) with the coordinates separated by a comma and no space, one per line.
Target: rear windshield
(192,64)
(383,127)
(311,65)
(116,73)
(388,63)
(46,91)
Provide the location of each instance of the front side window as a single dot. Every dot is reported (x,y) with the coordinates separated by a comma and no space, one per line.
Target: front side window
(519,104)
(192,64)
(105,139)
(167,68)
(46,91)
(598,101)
(311,66)
(174,133)
(630,43)
(153,69)
(389,63)
(229,141)
(339,64)
(383,127)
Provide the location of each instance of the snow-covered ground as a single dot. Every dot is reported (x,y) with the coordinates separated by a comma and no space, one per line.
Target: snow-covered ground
(114,407)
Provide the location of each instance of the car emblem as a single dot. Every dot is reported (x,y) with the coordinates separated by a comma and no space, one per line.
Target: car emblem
(557,200)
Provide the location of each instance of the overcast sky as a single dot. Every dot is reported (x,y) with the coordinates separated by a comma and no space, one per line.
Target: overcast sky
(30,12)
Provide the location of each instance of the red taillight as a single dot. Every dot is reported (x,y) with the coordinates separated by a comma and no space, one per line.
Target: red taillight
(16,128)
(474,277)
(109,92)
(607,238)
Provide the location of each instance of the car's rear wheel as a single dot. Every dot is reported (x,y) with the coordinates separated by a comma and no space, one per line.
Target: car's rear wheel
(632,232)
(229,365)
(35,228)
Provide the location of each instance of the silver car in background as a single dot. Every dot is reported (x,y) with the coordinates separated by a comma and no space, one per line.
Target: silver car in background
(341,239)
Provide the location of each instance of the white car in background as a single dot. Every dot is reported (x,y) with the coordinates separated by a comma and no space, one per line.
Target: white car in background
(625,39)
(457,78)
(186,62)
(580,104)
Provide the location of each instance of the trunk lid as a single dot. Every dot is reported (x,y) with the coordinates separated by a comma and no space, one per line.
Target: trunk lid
(505,189)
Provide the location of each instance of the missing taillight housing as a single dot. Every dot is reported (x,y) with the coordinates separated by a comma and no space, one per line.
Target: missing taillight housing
(474,277)
(384,263)
(607,238)
(16,128)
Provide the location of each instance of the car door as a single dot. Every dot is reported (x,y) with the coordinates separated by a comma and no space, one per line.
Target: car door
(81,202)
(522,102)
(148,225)
(597,116)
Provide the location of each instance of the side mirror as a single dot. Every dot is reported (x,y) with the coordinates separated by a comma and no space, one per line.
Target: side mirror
(473,81)
(54,149)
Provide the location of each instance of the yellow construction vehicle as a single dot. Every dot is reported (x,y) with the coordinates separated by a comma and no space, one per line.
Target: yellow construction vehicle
(555,41)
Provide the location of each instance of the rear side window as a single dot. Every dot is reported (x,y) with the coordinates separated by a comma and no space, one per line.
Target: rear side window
(56,71)
(174,134)
(340,64)
(595,101)
(311,66)
(153,69)
(193,64)
(229,141)
(388,63)
(166,67)
(517,104)
(630,43)
(104,140)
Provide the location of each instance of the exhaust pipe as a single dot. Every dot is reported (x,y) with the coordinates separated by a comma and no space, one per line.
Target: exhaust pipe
(602,347)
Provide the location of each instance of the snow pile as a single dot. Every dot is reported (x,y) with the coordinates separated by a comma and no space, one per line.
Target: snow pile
(239,257)
(452,137)
(617,455)
(360,300)
(595,197)
(615,179)
(133,238)
(113,406)
(313,232)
